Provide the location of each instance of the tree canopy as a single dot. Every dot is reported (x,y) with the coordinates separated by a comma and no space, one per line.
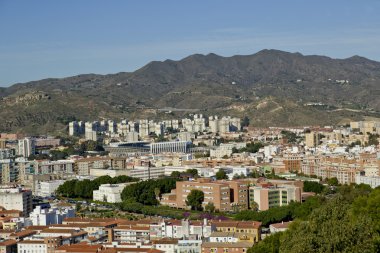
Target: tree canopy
(221,174)
(145,192)
(346,221)
(84,189)
(309,186)
(195,199)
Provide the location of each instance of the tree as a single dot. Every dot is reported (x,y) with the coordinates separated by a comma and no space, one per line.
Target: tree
(175,174)
(271,244)
(144,192)
(193,172)
(333,181)
(373,139)
(210,207)
(309,186)
(254,206)
(221,174)
(245,122)
(195,199)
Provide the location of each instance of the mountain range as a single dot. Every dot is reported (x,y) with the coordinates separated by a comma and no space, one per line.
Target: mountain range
(271,87)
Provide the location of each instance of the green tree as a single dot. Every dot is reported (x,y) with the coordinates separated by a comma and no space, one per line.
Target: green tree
(210,207)
(195,199)
(193,172)
(309,186)
(333,181)
(271,244)
(144,192)
(373,139)
(221,174)
(175,174)
(67,189)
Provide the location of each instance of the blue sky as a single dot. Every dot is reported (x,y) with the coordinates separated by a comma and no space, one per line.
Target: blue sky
(45,38)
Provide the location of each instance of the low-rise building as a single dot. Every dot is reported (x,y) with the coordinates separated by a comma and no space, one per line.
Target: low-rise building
(146,172)
(109,192)
(279,227)
(48,188)
(268,196)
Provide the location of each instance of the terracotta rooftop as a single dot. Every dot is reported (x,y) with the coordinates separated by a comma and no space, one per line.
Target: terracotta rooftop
(91,220)
(59,231)
(37,227)
(130,227)
(227,245)
(8,242)
(237,224)
(165,241)
(23,233)
(31,242)
(80,248)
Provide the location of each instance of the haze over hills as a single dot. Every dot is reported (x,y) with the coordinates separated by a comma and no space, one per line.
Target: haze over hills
(271,87)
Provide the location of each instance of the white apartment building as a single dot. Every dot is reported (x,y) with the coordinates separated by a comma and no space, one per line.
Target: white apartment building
(16,198)
(146,173)
(48,188)
(132,136)
(229,237)
(45,216)
(108,172)
(26,147)
(32,246)
(373,181)
(109,193)
(225,149)
(76,128)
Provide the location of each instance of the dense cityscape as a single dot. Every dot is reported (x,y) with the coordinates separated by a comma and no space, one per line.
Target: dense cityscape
(198,184)
(189,126)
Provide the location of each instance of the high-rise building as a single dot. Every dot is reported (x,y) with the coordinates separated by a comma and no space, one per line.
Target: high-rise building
(26,147)
(3,143)
(8,171)
(132,137)
(312,139)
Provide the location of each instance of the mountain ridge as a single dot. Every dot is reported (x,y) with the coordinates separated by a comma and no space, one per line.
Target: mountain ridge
(208,83)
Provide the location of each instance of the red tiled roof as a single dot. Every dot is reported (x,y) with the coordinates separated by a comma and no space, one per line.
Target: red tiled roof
(8,242)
